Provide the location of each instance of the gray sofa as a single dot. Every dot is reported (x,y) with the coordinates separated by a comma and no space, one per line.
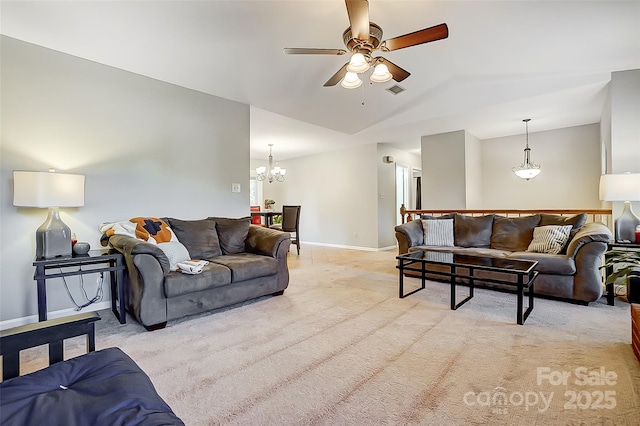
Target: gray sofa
(574,274)
(245,262)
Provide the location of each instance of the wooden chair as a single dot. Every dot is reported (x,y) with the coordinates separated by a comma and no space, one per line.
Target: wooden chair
(291,224)
(256,220)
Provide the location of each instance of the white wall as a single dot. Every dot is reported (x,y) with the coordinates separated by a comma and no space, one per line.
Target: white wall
(443,171)
(625,128)
(473,172)
(338,194)
(570,161)
(146,148)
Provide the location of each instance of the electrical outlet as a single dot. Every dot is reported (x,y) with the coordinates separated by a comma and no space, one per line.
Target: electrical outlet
(235,187)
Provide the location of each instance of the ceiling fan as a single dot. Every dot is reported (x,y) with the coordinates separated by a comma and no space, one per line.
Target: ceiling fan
(362,38)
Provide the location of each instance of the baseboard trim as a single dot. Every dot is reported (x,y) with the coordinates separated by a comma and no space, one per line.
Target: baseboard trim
(16,322)
(342,246)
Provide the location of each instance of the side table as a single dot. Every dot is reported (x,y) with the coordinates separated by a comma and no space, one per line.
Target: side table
(609,270)
(106,261)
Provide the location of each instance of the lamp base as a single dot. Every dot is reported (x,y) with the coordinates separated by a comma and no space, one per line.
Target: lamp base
(625,226)
(53,237)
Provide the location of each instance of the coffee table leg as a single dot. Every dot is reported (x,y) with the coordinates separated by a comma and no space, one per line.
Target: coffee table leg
(520,302)
(453,290)
(401,279)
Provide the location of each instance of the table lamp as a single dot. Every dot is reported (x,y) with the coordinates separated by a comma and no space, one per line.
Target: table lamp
(49,190)
(622,187)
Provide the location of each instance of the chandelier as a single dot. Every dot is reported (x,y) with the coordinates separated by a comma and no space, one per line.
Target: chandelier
(527,169)
(361,63)
(275,173)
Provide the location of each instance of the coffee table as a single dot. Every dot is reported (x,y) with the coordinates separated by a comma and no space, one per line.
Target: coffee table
(520,274)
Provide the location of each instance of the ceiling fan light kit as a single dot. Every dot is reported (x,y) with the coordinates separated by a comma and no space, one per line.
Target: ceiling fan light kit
(381,74)
(362,38)
(358,63)
(351,81)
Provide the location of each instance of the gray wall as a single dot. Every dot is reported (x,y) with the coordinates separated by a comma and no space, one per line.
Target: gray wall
(147,148)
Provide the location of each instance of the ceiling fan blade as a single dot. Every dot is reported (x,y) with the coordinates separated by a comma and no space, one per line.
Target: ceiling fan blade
(337,76)
(358,11)
(311,51)
(398,73)
(412,39)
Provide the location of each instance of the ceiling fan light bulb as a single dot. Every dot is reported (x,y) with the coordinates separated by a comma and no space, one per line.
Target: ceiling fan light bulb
(351,81)
(358,63)
(381,74)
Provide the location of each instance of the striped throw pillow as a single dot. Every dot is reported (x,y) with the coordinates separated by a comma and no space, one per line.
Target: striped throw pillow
(438,232)
(549,239)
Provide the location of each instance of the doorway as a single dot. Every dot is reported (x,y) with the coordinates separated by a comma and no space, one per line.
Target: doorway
(403,195)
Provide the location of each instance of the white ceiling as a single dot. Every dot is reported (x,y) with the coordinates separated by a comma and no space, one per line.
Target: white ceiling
(503,61)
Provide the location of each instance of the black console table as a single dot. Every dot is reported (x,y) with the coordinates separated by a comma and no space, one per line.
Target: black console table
(609,270)
(98,261)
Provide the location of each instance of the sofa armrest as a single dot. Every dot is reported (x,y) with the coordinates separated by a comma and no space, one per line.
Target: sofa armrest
(130,246)
(590,232)
(265,241)
(409,234)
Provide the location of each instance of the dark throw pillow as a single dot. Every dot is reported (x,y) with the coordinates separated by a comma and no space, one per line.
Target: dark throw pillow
(232,233)
(200,237)
(513,233)
(473,231)
(576,222)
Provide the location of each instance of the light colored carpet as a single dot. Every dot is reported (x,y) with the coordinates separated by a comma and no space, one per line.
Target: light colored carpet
(339,347)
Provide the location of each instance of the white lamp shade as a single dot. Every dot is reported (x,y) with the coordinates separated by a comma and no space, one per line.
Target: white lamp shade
(527,173)
(261,170)
(283,172)
(620,187)
(358,63)
(381,74)
(47,189)
(351,81)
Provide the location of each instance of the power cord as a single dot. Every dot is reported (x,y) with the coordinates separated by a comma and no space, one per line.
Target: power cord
(96,298)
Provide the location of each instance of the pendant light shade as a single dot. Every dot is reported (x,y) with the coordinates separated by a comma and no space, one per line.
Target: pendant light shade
(528,169)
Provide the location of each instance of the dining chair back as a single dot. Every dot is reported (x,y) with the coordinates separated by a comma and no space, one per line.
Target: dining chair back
(291,224)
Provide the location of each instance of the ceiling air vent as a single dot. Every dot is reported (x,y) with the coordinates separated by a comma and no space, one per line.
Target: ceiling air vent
(395,89)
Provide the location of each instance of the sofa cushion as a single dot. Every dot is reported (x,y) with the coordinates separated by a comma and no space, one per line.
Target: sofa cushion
(200,237)
(473,231)
(438,232)
(213,275)
(513,233)
(553,264)
(246,266)
(576,221)
(549,239)
(232,233)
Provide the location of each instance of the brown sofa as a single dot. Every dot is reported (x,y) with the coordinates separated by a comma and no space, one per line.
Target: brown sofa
(573,274)
(245,262)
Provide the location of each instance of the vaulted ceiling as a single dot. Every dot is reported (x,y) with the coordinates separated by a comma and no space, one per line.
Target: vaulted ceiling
(503,61)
